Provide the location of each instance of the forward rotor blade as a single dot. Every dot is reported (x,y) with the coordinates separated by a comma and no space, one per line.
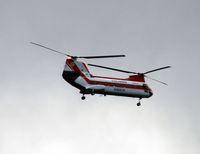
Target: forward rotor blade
(157,69)
(110,68)
(156,80)
(50,49)
(107,56)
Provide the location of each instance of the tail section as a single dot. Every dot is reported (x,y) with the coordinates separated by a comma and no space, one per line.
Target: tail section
(75,73)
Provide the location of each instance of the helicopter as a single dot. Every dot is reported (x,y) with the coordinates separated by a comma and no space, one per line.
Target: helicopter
(78,75)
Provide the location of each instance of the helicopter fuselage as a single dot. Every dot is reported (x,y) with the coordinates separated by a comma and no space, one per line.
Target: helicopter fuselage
(77,74)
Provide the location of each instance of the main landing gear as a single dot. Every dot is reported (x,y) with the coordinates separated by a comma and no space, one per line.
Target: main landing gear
(83,97)
(138,104)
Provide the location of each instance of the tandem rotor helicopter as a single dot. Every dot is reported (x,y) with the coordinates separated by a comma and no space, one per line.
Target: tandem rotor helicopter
(78,75)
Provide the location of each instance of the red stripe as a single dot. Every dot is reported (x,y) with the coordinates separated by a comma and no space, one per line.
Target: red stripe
(73,65)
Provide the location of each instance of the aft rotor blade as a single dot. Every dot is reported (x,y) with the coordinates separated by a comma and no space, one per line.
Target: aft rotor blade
(156,80)
(106,56)
(110,68)
(50,49)
(158,69)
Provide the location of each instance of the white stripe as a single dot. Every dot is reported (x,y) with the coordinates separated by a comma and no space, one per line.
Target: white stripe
(126,82)
(81,81)
(67,68)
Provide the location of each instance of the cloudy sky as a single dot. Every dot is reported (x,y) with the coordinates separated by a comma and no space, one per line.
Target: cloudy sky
(40,113)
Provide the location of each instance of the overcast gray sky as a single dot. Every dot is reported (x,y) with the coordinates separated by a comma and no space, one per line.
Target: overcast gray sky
(40,113)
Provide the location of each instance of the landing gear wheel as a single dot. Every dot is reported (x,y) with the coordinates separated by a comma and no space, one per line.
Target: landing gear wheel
(83,97)
(138,104)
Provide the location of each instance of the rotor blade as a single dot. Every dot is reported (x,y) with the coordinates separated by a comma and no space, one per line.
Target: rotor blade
(156,80)
(50,49)
(157,69)
(107,56)
(114,69)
